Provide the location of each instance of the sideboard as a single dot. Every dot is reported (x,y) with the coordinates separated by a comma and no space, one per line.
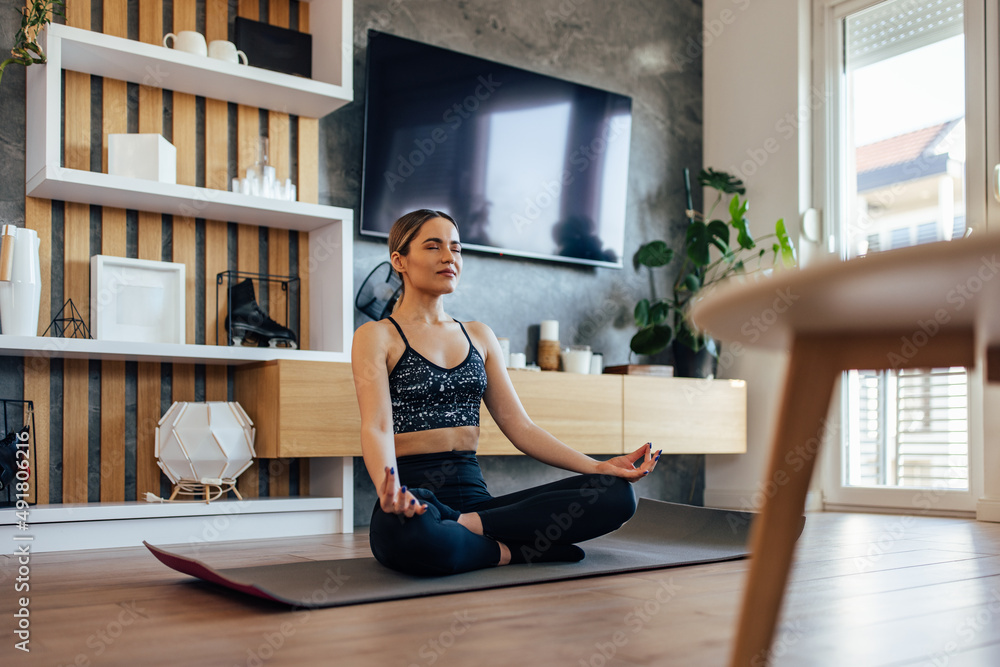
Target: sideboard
(309,409)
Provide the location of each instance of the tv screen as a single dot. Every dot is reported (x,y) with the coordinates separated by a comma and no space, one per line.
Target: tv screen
(527,164)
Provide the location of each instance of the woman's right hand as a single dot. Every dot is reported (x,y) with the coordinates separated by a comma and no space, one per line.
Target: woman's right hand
(394,499)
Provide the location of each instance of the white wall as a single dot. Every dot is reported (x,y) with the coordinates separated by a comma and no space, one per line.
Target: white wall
(756,118)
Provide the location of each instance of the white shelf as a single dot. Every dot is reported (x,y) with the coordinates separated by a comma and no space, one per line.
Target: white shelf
(78,348)
(76,526)
(88,187)
(152,65)
(40,514)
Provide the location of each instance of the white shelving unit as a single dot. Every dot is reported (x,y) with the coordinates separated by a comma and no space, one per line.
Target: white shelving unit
(76,348)
(329,264)
(90,52)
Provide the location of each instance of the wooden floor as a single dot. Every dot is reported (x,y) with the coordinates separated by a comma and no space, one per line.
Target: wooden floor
(867,590)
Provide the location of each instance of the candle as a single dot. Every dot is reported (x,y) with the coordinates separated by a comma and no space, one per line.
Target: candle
(549,330)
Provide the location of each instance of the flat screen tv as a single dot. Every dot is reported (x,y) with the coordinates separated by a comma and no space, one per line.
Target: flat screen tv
(527,164)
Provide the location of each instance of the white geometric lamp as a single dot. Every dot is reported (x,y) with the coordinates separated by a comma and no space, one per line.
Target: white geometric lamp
(203,447)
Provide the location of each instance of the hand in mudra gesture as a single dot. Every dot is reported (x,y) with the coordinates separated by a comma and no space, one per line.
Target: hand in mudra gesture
(396,499)
(625,465)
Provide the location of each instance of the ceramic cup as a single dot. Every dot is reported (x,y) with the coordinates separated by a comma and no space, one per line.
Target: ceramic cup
(223,50)
(187,40)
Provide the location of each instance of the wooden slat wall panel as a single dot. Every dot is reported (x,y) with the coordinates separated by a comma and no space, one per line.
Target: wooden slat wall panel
(307,189)
(115,117)
(248,239)
(185,139)
(150,241)
(76,272)
(216,176)
(37,378)
(277,246)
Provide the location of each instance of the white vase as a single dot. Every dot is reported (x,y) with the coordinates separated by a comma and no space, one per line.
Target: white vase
(20,297)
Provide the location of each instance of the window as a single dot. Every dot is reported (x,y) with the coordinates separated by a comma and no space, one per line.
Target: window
(898,150)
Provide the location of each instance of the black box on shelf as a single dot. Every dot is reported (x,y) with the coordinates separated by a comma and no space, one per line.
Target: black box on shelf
(273,47)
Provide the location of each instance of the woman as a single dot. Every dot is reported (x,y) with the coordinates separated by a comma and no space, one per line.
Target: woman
(420,376)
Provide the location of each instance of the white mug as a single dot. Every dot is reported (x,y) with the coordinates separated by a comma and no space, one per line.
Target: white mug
(188,40)
(223,50)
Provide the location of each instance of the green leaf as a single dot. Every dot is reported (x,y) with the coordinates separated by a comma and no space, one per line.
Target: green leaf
(721,181)
(653,254)
(691,282)
(785,250)
(659,313)
(697,243)
(651,340)
(737,210)
(718,234)
(642,313)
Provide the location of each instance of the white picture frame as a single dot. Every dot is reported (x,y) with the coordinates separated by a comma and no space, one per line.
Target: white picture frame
(136,300)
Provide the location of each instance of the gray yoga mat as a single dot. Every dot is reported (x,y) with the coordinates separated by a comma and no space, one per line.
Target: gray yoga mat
(660,535)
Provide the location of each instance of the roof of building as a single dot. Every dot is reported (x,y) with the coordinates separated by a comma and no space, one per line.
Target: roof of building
(899,149)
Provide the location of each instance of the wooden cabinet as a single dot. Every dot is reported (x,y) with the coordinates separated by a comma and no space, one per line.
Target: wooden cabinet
(685,415)
(300,408)
(583,411)
(306,409)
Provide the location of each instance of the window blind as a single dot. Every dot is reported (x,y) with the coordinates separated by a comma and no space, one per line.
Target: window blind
(892,28)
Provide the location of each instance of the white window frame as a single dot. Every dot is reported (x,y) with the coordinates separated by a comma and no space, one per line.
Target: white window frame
(830,166)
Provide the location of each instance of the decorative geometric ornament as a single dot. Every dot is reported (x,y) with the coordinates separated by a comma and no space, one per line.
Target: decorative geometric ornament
(203,447)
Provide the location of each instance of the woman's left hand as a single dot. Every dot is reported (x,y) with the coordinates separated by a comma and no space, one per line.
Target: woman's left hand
(625,465)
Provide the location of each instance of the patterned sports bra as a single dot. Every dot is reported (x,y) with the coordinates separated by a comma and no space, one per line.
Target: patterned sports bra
(426,396)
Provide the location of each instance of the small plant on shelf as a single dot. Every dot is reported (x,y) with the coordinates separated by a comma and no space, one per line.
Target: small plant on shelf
(34,17)
(662,321)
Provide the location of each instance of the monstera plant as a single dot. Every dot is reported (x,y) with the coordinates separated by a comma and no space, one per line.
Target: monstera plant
(714,249)
(34,16)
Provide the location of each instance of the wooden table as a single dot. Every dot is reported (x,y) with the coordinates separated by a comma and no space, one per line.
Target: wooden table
(927,306)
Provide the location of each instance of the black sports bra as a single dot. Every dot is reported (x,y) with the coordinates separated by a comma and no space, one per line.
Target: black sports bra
(426,396)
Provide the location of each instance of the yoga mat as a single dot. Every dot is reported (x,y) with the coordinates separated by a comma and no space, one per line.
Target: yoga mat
(659,535)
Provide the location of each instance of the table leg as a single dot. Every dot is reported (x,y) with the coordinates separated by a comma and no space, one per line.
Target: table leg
(812,371)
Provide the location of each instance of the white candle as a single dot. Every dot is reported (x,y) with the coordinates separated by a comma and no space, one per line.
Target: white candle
(550,330)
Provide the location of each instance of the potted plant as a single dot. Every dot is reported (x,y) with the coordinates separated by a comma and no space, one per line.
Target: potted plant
(34,17)
(663,321)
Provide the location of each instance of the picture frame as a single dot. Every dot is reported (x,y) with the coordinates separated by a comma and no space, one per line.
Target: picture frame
(137,300)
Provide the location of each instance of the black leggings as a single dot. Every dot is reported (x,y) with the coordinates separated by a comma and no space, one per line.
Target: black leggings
(570,510)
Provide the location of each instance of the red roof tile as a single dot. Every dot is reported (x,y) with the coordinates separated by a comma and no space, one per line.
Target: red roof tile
(898,149)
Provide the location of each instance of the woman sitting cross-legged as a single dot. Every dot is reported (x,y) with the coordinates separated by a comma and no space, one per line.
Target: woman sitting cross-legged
(420,377)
